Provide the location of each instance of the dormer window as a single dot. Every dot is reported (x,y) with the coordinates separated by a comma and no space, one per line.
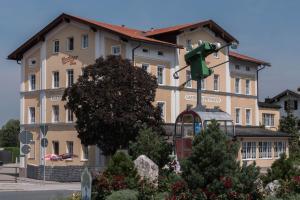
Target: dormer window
(160,53)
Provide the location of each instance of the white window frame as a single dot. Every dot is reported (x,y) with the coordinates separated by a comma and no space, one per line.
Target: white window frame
(53,114)
(112,50)
(67,148)
(83,41)
(265,155)
(203,84)
(271,122)
(67,78)
(53,79)
(30,120)
(247,67)
(218,84)
(250,117)
(54,45)
(68,43)
(216,55)
(189,84)
(163,110)
(55,141)
(148,67)
(83,154)
(240,115)
(30,82)
(237,67)
(277,151)
(163,74)
(67,116)
(239,85)
(249,87)
(248,150)
(189,45)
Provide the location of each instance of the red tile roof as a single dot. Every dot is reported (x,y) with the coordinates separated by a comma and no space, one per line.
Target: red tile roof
(167,29)
(247,58)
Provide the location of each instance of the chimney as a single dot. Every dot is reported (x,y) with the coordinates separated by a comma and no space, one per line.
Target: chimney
(123,25)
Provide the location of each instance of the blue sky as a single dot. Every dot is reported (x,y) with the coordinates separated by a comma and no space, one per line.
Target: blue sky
(267,29)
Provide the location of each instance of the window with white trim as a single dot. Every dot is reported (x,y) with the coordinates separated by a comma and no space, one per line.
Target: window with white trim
(268,119)
(70,77)
(188,78)
(70,146)
(279,148)
(248,150)
(247,87)
(238,116)
(55,79)
(160,75)
(237,85)
(55,113)
(160,53)
(203,84)
(70,116)
(85,152)
(31,119)
(145,67)
(32,82)
(84,41)
(265,149)
(188,45)
(216,82)
(162,107)
(248,116)
(70,43)
(56,46)
(216,54)
(55,147)
(116,50)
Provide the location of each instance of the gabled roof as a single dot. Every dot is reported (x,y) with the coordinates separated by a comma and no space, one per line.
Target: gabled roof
(248,58)
(207,23)
(125,32)
(285,93)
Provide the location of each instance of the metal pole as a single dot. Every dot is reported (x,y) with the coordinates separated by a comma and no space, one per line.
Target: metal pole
(199,100)
(44,155)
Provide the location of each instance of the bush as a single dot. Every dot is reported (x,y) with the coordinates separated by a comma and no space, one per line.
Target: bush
(15,152)
(153,145)
(124,195)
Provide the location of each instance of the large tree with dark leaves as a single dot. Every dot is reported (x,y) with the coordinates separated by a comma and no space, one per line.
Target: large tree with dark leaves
(111,101)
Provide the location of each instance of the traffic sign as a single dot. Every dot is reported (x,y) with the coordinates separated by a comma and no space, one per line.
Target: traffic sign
(86,184)
(25,149)
(44,142)
(44,129)
(25,137)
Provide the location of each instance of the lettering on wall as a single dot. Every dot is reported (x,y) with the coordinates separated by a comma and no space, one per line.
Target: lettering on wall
(70,59)
(56,98)
(205,99)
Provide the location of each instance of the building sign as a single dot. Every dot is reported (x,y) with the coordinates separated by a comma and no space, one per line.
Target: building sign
(70,59)
(56,98)
(205,99)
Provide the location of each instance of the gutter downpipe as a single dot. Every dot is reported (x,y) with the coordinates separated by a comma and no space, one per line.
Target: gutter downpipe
(133,50)
(263,66)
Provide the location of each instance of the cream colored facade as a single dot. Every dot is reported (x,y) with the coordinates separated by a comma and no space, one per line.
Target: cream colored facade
(218,91)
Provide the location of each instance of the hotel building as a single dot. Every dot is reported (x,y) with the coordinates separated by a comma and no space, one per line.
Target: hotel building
(53,59)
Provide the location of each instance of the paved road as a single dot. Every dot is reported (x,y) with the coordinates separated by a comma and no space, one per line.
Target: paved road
(35,195)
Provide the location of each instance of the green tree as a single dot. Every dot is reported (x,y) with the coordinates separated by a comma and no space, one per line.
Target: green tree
(153,145)
(9,133)
(111,101)
(288,124)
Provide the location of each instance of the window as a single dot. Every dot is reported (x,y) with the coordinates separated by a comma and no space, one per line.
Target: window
(237,115)
(189,106)
(279,148)
(248,150)
(247,68)
(203,84)
(188,79)
(237,85)
(70,44)
(55,147)
(295,105)
(161,105)
(70,77)
(188,45)
(160,53)
(268,119)
(55,113)
(116,50)
(31,62)
(216,54)
(32,150)
(32,82)
(248,116)
(70,147)
(265,149)
(31,119)
(84,41)
(145,67)
(85,152)
(56,46)
(237,67)
(69,116)
(216,82)
(145,50)
(55,80)
(247,87)
(160,75)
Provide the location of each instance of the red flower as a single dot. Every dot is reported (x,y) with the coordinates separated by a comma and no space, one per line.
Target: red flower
(227,182)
